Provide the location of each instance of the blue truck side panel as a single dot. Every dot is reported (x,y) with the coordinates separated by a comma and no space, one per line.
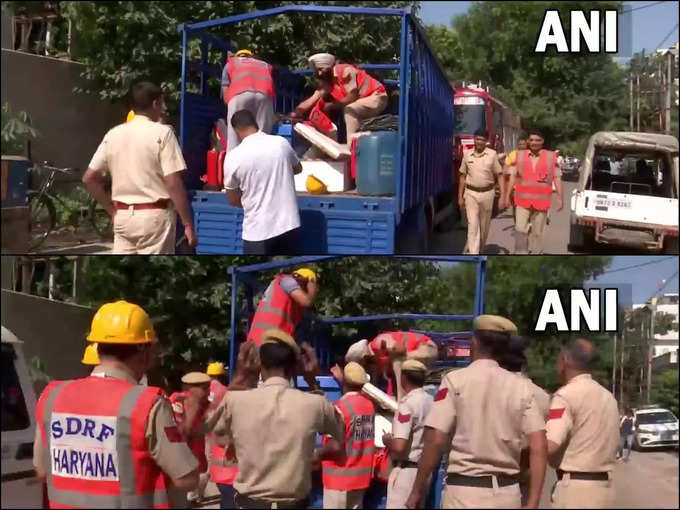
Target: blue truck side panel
(331,224)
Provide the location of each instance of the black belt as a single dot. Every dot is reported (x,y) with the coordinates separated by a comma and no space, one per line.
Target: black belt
(580,475)
(481,481)
(406,464)
(480,190)
(246,502)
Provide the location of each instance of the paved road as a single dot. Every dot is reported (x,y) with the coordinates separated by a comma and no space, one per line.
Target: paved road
(649,480)
(501,235)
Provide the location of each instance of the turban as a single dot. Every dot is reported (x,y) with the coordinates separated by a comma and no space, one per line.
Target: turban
(322,61)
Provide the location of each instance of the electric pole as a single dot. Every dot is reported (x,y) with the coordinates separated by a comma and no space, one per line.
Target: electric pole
(632,127)
(669,81)
(638,102)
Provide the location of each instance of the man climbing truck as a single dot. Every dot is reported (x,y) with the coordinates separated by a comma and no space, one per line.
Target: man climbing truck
(414,164)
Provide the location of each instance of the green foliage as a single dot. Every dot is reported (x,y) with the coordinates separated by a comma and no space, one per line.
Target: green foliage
(665,390)
(121,42)
(17,129)
(569,97)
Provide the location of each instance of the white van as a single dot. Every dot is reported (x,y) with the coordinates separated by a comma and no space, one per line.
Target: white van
(654,426)
(20,487)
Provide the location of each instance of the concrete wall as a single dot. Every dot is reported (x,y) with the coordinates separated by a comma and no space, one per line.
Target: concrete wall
(7,28)
(51,330)
(71,125)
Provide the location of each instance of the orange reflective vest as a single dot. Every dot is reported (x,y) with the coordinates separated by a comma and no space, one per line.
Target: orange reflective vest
(409,340)
(353,470)
(223,466)
(533,188)
(381,465)
(97,452)
(249,74)
(197,443)
(280,311)
(366,84)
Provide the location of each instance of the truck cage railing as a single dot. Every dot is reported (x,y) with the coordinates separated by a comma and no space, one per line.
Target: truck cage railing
(424,162)
(244,275)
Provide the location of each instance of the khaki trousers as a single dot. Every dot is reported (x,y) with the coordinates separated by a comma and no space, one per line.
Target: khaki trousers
(525,218)
(144,232)
(400,485)
(478,208)
(361,109)
(343,499)
(457,496)
(583,494)
(259,104)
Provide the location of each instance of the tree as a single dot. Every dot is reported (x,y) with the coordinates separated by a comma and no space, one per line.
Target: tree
(665,390)
(121,42)
(568,97)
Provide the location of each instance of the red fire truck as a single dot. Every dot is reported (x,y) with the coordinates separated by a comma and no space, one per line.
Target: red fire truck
(478,106)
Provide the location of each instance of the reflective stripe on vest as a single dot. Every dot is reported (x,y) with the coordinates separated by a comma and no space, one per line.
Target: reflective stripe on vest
(249,74)
(354,470)
(222,470)
(140,482)
(366,84)
(280,311)
(529,191)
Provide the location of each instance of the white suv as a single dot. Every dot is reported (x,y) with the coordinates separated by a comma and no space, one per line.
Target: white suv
(655,426)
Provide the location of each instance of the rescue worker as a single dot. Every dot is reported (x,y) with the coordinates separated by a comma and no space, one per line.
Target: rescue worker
(223,467)
(582,432)
(479,172)
(105,441)
(347,465)
(511,161)
(247,84)
(146,163)
(513,361)
(273,427)
(405,443)
(346,88)
(189,422)
(483,411)
(284,303)
(532,182)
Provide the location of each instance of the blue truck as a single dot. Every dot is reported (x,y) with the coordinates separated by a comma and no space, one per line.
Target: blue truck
(338,223)
(245,278)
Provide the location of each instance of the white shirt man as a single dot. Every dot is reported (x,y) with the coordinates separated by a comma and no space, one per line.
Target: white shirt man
(259,177)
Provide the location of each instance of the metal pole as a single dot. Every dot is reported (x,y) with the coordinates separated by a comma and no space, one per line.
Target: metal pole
(50,281)
(669,87)
(632,127)
(638,102)
(614,368)
(623,342)
(650,351)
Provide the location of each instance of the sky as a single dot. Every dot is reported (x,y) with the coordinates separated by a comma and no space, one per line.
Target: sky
(650,24)
(644,279)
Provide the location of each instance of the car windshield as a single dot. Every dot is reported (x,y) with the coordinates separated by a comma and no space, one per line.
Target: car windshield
(14,412)
(469,118)
(657,417)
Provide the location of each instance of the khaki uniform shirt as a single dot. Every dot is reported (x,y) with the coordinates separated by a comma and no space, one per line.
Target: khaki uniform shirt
(488,409)
(139,154)
(274,429)
(512,169)
(409,422)
(542,402)
(173,457)
(584,421)
(480,169)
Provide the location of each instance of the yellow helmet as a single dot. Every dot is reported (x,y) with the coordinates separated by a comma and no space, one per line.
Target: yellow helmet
(130,116)
(90,357)
(121,323)
(306,273)
(216,368)
(244,53)
(315,186)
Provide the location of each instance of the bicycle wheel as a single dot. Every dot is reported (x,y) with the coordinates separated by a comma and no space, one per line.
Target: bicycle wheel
(42,218)
(100,219)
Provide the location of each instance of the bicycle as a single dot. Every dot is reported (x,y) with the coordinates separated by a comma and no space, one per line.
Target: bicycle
(43,213)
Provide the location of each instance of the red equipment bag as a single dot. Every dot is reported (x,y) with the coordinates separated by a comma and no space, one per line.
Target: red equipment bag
(319,120)
(214,163)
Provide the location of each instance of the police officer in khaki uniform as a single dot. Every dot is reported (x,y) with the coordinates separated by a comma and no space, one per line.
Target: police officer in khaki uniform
(479,171)
(582,432)
(514,361)
(122,355)
(145,163)
(405,443)
(273,427)
(483,410)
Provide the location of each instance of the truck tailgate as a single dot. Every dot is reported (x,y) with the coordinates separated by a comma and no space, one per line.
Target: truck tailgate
(639,209)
